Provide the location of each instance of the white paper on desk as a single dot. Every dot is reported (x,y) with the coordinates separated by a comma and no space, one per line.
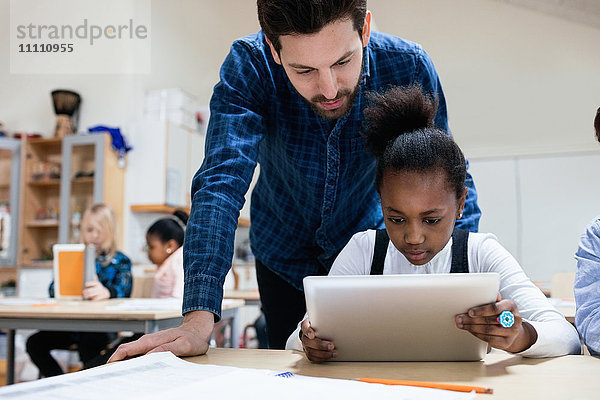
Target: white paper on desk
(152,304)
(22,301)
(147,304)
(256,384)
(161,376)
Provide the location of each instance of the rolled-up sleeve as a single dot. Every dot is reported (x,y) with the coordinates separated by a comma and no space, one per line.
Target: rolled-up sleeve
(218,189)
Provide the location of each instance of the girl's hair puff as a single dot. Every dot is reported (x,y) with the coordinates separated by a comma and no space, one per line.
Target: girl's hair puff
(104,216)
(169,228)
(401,134)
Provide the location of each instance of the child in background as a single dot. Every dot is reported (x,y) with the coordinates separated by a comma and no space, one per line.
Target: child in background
(587,279)
(420,178)
(98,228)
(165,249)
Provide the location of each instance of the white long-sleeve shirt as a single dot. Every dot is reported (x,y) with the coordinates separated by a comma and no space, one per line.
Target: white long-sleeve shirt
(556,336)
(168,279)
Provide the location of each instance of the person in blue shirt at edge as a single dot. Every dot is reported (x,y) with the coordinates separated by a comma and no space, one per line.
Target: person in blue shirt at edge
(587,279)
(290,98)
(113,269)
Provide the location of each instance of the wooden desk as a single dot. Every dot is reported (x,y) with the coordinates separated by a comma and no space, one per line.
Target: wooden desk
(511,377)
(90,316)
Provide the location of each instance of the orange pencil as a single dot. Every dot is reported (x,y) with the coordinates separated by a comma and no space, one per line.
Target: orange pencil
(432,385)
(43,305)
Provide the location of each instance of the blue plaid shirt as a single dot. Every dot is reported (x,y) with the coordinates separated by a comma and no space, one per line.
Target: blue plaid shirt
(316,184)
(115,276)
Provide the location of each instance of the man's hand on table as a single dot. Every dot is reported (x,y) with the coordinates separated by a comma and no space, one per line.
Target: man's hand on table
(189,339)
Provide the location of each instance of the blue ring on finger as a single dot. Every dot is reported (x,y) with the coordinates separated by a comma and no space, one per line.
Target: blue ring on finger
(506,319)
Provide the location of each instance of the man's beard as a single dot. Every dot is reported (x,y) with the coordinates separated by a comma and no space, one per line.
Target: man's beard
(341,111)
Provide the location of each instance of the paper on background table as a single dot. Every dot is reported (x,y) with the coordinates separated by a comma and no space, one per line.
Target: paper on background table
(146,304)
(562,302)
(161,376)
(152,304)
(17,301)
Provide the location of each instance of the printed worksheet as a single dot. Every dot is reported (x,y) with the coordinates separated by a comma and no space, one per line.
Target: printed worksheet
(159,376)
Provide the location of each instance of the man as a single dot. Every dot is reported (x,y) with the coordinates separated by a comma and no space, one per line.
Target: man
(291,98)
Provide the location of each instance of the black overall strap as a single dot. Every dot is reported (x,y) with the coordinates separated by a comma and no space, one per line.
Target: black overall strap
(460,262)
(381,244)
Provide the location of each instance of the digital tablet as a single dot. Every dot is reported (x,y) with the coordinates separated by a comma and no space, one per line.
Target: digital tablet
(398,317)
(68,265)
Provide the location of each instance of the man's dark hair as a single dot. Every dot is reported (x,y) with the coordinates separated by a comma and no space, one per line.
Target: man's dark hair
(298,17)
(401,134)
(597,124)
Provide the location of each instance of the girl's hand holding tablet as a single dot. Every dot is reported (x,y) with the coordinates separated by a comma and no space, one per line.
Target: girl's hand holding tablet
(94,290)
(316,350)
(483,322)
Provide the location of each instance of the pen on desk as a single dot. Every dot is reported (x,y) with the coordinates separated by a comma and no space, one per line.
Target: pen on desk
(43,304)
(432,385)
(286,374)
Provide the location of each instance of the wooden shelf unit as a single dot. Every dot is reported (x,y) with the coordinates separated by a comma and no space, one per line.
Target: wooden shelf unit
(37,264)
(44,182)
(42,223)
(40,199)
(82,181)
(54,191)
(10,165)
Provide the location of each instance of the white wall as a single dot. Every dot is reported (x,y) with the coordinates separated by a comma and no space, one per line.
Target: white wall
(538,206)
(517,81)
(26,104)
(190,39)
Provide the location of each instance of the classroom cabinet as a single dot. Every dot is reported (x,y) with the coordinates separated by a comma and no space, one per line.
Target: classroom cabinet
(40,182)
(91,175)
(61,178)
(10,156)
(165,158)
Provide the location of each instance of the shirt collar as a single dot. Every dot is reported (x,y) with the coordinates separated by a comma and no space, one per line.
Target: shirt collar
(439,260)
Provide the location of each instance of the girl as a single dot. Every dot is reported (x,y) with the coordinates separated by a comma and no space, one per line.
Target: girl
(420,178)
(165,249)
(98,228)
